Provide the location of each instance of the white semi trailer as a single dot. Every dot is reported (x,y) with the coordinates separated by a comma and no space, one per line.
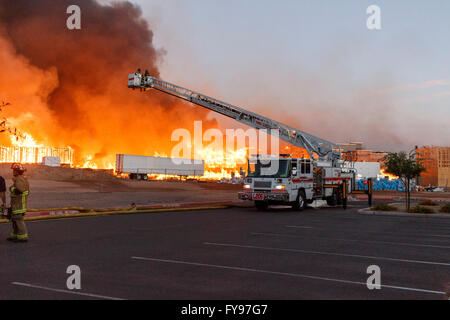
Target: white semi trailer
(139,167)
(364,170)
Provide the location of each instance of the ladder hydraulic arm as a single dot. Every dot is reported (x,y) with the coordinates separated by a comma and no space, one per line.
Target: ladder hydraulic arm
(325,150)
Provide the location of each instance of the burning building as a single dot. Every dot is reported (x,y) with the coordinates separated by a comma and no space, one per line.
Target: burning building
(74,94)
(24,149)
(35,154)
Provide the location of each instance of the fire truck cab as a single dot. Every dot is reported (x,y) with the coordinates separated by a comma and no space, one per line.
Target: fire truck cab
(294,181)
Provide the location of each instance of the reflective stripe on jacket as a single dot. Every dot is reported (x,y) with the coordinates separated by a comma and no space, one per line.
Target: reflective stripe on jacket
(19,194)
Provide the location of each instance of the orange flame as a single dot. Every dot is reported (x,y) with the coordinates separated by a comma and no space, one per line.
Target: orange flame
(388,175)
(218,164)
(25,149)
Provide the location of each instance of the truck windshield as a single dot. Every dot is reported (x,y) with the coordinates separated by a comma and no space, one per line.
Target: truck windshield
(268,169)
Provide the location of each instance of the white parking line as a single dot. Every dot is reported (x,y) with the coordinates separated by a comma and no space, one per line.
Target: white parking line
(301,227)
(378,233)
(326,253)
(350,240)
(65,291)
(295,275)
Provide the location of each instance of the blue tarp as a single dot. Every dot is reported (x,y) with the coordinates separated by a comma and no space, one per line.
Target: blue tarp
(382,184)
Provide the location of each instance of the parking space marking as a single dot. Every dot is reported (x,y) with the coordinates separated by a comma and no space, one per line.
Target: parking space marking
(286,274)
(65,291)
(389,233)
(301,227)
(325,253)
(350,240)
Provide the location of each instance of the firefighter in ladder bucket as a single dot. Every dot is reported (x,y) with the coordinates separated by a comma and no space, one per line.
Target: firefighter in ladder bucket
(19,192)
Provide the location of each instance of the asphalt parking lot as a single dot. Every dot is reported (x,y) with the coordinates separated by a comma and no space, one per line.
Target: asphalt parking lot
(233,253)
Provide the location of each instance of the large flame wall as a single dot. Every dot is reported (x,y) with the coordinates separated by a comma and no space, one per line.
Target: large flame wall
(68,87)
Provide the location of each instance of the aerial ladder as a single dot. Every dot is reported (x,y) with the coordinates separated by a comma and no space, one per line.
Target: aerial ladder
(324,149)
(319,150)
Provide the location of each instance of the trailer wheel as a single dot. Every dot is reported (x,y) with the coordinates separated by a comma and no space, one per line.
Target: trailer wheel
(145,177)
(261,205)
(132,176)
(300,203)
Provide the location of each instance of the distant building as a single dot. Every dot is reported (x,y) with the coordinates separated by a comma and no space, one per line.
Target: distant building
(436,161)
(354,152)
(351,146)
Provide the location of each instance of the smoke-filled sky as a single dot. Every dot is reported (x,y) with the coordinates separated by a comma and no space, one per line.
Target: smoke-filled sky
(311,64)
(315,65)
(69,87)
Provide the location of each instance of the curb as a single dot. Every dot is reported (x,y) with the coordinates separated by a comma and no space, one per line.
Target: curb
(113,213)
(367,211)
(51,213)
(373,199)
(434,200)
(191,204)
(399,199)
(65,213)
(422,198)
(68,210)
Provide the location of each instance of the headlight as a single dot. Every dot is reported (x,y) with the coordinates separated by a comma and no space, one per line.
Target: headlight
(280,187)
(247,186)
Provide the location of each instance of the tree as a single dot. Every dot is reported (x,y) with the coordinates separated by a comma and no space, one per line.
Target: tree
(406,168)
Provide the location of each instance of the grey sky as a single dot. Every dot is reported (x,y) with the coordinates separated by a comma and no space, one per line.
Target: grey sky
(315,65)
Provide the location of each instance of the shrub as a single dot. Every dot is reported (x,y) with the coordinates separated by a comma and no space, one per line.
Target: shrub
(427,202)
(421,209)
(445,208)
(384,207)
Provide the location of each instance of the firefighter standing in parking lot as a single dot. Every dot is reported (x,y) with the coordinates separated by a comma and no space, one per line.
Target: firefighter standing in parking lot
(19,193)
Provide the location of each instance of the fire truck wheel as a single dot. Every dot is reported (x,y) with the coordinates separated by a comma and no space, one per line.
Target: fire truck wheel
(331,201)
(340,199)
(261,205)
(300,204)
(335,199)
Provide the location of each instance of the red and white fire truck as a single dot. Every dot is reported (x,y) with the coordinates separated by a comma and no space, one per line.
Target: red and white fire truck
(295,181)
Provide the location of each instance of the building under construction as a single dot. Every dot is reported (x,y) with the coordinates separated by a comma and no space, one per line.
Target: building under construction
(436,161)
(35,154)
(354,152)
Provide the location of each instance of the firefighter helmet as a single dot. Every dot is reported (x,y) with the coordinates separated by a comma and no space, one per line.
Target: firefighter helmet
(18,167)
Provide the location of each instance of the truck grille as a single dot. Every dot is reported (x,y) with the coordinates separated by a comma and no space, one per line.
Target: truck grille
(263,184)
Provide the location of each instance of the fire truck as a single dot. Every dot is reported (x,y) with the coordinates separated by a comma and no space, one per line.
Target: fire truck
(280,180)
(291,181)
